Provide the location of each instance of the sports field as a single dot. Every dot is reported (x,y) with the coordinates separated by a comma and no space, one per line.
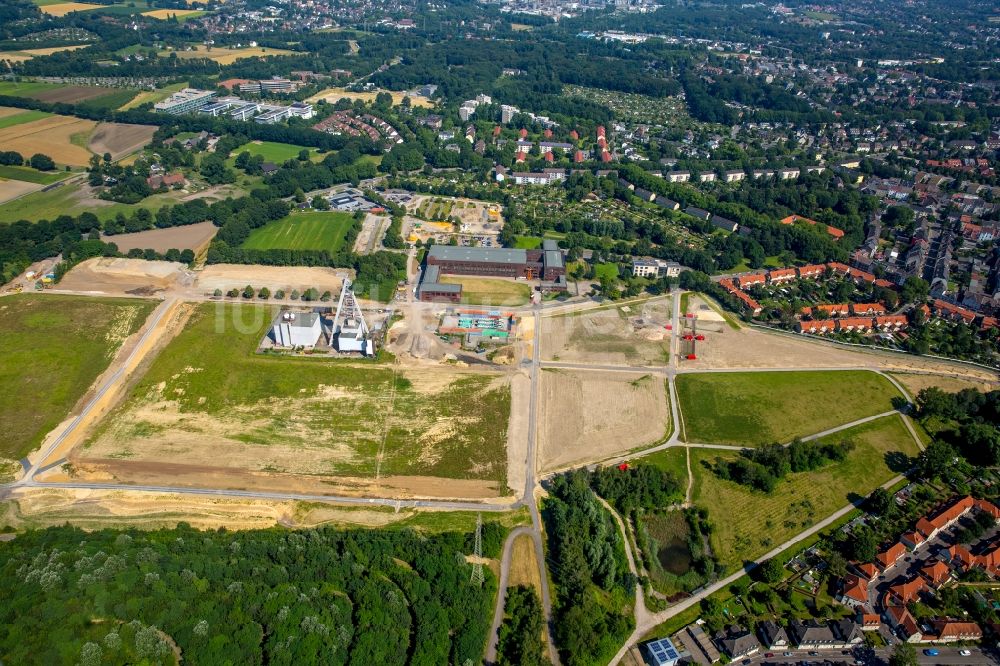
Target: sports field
(490,291)
(748,523)
(53,347)
(273,151)
(210,400)
(303,231)
(753,408)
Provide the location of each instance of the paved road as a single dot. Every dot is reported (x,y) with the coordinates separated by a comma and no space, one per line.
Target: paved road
(948,656)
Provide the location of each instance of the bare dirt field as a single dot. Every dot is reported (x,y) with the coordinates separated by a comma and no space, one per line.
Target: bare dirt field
(12,189)
(191,237)
(621,335)
(232,276)
(71,94)
(331,95)
(52,136)
(755,348)
(225,56)
(119,139)
(914,383)
(590,416)
(123,276)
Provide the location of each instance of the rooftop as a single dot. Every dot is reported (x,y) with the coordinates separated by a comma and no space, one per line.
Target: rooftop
(494,255)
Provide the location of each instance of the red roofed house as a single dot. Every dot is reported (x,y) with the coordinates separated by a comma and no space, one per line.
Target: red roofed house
(834,309)
(912,540)
(947,310)
(908,591)
(605,156)
(815,327)
(837,267)
(869,309)
(792,219)
(947,630)
(854,591)
(578,156)
(890,556)
(885,284)
(867,570)
(930,526)
(812,270)
(781,275)
(749,280)
(936,574)
(959,557)
(752,305)
(870,622)
(903,622)
(891,322)
(987,506)
(859,324)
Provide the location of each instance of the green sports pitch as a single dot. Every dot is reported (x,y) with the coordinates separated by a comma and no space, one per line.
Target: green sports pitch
(303,231)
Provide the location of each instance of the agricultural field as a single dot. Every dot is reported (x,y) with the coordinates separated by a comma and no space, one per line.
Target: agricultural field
(589,416)
(56,136)
(331,95)
(748,523)
(209,399)
(179,14)
(119,139)
(53,348)
(9,117)
(272,151)
(225,56)
(189,237)
(765,407)
(490,291)
(303,231)
(55,93)
(63,8)
(632,334)
(27,54)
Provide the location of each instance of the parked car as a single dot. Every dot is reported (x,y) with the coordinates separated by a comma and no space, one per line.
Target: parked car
(965,653)
(931,652)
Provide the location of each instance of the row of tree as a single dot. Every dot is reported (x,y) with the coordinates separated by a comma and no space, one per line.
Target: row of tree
(762,468)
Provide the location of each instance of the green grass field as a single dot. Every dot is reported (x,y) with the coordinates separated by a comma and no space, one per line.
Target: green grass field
(303,231)
(488,291)
(22,118)
(748,523)
(528,243)
(209,396)
(53,348)
(754,408)
(672,460)
(273,151)
(608,271)
(30,175)
(26,88)
(113,100)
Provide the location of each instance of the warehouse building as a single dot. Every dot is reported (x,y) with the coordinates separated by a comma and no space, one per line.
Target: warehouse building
(545,264)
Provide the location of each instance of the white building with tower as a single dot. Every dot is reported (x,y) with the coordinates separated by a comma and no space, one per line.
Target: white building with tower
(350,329)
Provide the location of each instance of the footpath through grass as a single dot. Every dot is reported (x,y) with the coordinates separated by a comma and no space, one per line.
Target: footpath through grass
(748,523)
(754,408)
(303,231)
(52,349)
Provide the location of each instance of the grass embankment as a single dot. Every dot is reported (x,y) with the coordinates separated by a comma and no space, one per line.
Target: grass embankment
(487,291)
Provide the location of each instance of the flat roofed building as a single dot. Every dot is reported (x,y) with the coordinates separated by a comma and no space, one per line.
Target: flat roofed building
(545,264)
(296,329)
(184,101)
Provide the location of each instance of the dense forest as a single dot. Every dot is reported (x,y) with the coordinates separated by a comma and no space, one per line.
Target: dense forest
(594,588)
(321,596)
